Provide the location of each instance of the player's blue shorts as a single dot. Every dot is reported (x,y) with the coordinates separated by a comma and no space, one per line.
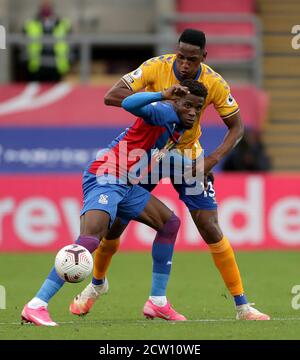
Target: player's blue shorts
(118,200)
(192,195)
(204,201)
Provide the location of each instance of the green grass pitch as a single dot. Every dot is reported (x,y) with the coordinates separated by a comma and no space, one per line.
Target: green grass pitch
(195,289)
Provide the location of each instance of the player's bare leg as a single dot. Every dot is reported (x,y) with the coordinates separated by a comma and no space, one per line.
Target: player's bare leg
(223,255)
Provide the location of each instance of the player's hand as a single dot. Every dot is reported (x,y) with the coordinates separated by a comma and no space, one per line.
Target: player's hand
(208,176)
(209,163)
(175,92)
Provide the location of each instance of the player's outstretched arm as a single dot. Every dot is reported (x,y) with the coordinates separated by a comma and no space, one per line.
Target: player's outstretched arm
(117,94)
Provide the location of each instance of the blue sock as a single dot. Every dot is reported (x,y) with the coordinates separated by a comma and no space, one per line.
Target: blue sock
(53,283)
(159,284)
(162,261)
(98,282)
(240,300)
(162,253)
(50,286)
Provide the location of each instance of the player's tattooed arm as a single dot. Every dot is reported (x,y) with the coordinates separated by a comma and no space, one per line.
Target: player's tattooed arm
(117,94)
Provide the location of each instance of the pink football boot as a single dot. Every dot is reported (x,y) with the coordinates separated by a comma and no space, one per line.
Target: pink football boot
(39,316)
(166,312)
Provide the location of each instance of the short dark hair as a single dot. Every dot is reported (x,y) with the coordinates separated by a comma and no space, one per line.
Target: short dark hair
(195,87)
(193,37)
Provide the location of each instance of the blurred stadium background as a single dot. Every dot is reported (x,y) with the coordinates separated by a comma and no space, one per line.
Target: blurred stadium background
(49,131)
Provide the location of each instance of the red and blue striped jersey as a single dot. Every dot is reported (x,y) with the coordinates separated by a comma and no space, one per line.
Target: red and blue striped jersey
(133,153)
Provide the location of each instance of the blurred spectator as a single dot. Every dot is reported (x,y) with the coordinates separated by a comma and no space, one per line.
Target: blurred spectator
(47,62)
(248,155)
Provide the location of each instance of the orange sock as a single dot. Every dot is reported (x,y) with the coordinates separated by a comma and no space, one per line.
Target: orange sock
(103,256)
(224,259)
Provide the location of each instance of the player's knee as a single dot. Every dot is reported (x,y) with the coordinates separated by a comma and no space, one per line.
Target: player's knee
(172,226)
(177,222)
(94,229)
(211,232)
(96,233)
(207,223)
(210,228)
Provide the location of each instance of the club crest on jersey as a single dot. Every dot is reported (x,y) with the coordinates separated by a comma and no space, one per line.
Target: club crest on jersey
(158,155)
(137,73)
(103,199)
(230,100)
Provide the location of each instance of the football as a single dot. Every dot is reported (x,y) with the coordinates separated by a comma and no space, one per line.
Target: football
(73,263)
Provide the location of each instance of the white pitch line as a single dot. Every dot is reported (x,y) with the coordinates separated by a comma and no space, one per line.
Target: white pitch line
(118,322)
(234,320)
